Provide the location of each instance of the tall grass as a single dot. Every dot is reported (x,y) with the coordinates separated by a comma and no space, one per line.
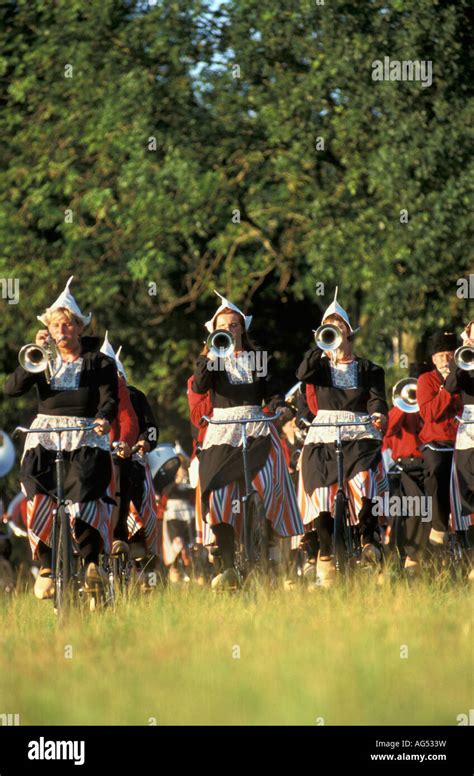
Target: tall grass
(359,654)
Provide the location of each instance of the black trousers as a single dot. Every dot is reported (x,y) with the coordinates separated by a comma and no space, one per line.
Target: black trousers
(410,533)
(437,474)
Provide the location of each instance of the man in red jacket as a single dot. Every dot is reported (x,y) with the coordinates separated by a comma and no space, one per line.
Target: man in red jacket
(438,409)
(402,438)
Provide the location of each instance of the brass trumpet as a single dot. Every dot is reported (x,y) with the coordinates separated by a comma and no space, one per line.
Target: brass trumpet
(404,395)
(40,358)
(328,337)
(221,343)
(464,357)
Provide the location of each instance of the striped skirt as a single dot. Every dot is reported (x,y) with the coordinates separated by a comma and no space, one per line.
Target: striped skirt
(365,484)
(142,516)
(97,514)
(273,483)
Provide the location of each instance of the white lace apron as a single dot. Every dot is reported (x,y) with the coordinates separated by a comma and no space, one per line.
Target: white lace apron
(326,434)
(70,440)
(465,433)
(231,434)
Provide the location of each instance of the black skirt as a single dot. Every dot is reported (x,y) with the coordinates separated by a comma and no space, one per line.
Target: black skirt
(220,465)
(319,464)
(87,473)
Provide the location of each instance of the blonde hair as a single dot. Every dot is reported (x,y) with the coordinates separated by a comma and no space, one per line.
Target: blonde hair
(48,317)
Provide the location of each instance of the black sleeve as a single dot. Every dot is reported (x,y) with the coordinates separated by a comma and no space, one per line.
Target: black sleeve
(203,377)
(273,394)
(149,430)
(453,380)
(303,411)
(20,381)
(108,388)
(311,368)
(377,401)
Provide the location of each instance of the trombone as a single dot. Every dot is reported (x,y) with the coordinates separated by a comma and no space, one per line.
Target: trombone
(404,395)
(464,357)
(221,343)
(40,358)
(328,337)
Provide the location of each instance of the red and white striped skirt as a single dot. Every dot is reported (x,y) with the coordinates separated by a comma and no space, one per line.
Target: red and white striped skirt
(146,516)
(97,514)
(272,482)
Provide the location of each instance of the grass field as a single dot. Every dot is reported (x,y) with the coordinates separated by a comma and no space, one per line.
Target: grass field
(328,657)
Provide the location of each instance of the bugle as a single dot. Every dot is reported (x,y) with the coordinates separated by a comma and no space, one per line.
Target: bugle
(221,343)
(39,358)
(328,337)
(464,357)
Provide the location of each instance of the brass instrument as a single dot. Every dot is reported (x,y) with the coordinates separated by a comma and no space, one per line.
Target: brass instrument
(404,395)
(40,358)
(7,454)
(221,343)
(328,337)
(464,357)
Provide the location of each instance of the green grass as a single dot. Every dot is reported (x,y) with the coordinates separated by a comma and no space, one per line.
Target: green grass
(303,656)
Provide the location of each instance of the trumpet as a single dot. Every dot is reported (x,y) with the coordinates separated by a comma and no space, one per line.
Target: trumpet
(464,357)
(40,358)
(404,395)
(328,337)
(221,343)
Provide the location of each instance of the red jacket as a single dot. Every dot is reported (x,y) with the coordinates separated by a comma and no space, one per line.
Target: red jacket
(199,404)
(437,409)
(403,434)
(311,398)
(125,427)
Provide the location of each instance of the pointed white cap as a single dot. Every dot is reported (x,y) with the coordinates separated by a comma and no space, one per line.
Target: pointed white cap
(108,350)
(336,309)
(66,299)
(225,303)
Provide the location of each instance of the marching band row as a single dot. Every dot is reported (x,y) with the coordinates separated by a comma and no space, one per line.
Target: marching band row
(426,439)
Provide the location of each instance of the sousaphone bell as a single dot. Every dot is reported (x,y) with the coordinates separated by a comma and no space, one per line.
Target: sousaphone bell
(404,395)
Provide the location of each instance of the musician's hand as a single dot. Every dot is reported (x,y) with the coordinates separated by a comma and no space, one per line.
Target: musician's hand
(103,426)
(380,422)
(469,329)
(124,450)
(42,337)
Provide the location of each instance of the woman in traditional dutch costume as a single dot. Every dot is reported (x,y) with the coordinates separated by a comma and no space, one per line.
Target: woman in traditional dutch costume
(84,388)
(347,388)
(237,390)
